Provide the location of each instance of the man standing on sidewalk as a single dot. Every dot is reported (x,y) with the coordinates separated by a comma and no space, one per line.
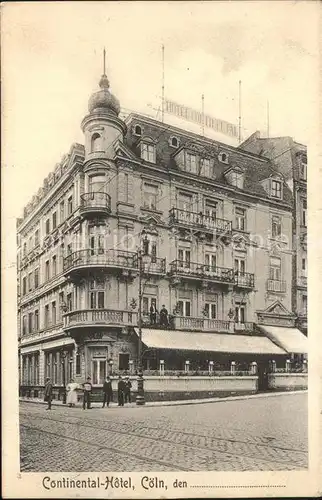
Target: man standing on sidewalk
(107,392)
(127,390)
(48,393)
(87,394)
(120,391)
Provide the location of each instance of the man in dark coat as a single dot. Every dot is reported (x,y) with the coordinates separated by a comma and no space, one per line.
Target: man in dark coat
(153,314)
(120,391)
(164,316)
(87,394)
(107,392)
(48,393)
(127,392)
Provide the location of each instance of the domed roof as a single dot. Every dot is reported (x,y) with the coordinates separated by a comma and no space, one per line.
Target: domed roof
(103,98)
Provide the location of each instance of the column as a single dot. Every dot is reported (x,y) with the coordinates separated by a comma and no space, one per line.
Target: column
(41,367)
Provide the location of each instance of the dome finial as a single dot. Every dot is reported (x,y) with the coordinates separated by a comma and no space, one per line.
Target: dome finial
(104,83)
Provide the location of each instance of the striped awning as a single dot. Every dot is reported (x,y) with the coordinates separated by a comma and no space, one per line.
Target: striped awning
(291,340)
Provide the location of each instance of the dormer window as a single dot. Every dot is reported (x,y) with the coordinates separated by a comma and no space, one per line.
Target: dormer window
(138,130)
(206,167)
(235,176)
(148,152)
(95,143)
(174,142)
(191,162)
(223,157)
(276,189)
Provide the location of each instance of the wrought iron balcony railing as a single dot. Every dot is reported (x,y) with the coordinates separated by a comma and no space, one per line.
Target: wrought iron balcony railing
(244,280)
(97,201)
(199,220)
(100,257)
(276,286)
(202,271)
(154,265)
(99,317)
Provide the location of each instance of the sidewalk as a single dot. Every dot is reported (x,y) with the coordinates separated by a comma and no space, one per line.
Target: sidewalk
(174,403)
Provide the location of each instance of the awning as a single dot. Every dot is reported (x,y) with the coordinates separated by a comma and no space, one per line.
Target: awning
(290,339)
(208,342)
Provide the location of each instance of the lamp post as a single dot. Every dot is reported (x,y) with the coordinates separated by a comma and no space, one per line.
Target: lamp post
(143,258)
(63,357)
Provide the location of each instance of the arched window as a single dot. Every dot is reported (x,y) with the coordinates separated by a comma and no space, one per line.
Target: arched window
(174,142)
(223,157)
(96,143)
(138,130)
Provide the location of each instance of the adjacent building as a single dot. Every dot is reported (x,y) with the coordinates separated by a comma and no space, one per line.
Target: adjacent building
(290,157)
(202,228)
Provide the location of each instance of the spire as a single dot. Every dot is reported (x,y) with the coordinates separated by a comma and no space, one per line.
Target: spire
(104,83)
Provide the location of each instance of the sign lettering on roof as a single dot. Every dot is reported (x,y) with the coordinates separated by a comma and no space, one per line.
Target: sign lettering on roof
(194,116)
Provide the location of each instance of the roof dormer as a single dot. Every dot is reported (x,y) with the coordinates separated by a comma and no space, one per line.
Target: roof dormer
(148,149)
(235,175)
(273,186)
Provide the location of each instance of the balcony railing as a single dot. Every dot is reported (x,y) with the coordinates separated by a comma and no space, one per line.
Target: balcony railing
(97,201)
(100,257)
(244,327)
(202,271)
(244,280)
(199,220)
(276,286)
(202,324)
(99,317)
(155,265)
(302,281)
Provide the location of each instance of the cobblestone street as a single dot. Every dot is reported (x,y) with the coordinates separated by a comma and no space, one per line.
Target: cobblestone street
(252,434)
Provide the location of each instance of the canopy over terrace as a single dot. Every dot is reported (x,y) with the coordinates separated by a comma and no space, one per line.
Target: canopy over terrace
(292,340)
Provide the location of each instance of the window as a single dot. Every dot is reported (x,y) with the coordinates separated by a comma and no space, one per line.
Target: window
(210,310)
(276,226)
(184,308)
(46,316)
(191,163)
(211,210)
(184,258)
(97,183)
(96,143)
(70,205)
(150,193)
(97,294)
(30,243)
(47,227)
(24,325)
(304,305)
(239,313)
(138,130)
(36,323)
(29,282)
(174,142)
(205,167)
(55,367)
(148,152)
(210,262)
(276,189)
(97,244)
(54,265)
(78,364)
(147,302)
(240,218)
(61,211)
(53,313)
(185,202)
(239,266)
(275,269)
(25,249)
(30,322)
(69,302)
(304,213)
(69,249)
(303,267)
(36,278)
(124,361)
(237,179)
(54,220)
(303,168)
(37,237)
(99,371)
(153,251)
(24,286)
(47,270)
(223,157)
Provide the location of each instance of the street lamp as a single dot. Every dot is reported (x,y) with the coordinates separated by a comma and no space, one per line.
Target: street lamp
(143,260)
(63,357)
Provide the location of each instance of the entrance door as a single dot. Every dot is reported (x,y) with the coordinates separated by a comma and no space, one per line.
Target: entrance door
(263,371)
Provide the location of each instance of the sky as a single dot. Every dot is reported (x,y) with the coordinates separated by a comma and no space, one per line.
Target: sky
(52,62)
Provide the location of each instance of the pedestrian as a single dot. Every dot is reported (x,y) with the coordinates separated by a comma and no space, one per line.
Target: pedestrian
(87,386)
(120,391)
(164,316)
(127,391)
(107,392)
(71,393)
(48,393)
(153,314)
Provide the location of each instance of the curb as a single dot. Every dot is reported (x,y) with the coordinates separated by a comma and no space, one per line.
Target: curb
(183,402)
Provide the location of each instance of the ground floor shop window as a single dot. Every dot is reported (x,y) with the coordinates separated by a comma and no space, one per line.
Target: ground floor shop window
(78,364)
(99,371)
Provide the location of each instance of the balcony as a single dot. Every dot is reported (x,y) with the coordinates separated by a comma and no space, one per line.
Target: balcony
(196,271)
(199,221)
(302,282)
(99,318)
(202,324)
(276,286)
(156,266)
(100,259)
(246,327)
(244,280)
(95,203)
